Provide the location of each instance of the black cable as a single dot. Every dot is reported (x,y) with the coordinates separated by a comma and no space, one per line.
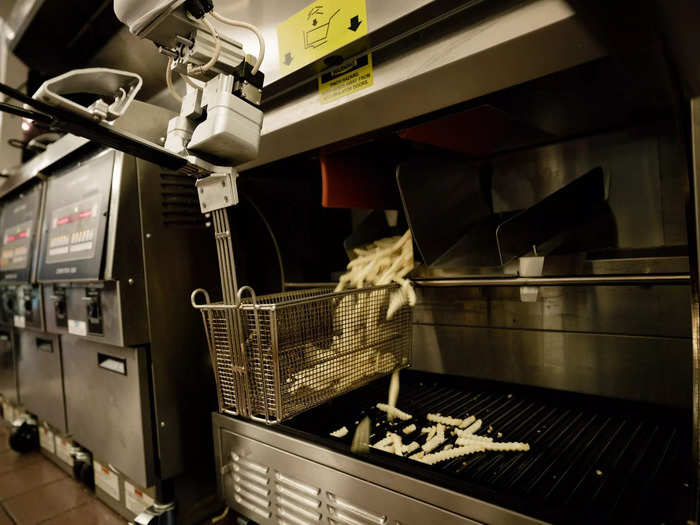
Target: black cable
(272,235)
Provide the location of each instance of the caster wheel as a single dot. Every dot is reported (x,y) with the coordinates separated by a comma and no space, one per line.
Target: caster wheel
(24,438)
(82,469)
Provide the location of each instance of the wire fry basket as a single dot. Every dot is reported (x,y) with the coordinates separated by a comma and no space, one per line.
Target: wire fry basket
(278,355)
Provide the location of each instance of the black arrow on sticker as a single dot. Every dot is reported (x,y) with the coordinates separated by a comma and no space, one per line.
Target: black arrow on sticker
(288,59)
(354,23)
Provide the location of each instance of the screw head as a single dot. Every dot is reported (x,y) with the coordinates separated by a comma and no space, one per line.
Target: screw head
(131,281)
(162,424)
(148,236)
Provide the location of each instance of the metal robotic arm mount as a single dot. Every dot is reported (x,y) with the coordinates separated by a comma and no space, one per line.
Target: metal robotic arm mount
(220,119)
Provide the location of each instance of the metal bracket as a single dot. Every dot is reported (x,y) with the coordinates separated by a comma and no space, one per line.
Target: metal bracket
(217,190)
(530,266)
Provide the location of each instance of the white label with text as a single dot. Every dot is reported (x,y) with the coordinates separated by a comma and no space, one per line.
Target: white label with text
(106,479)
(63,450)
(135,499)
(46,440)
(77,327)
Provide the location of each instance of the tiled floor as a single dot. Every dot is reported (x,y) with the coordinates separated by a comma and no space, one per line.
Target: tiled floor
(33,490)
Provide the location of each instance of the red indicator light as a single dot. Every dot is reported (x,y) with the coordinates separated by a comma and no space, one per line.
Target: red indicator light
(85,214)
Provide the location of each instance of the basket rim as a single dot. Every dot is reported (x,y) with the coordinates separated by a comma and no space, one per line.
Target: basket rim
(305,300)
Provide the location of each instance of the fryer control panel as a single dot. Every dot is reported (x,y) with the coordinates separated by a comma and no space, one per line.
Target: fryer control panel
(18,222)
(72,231)
(75,220)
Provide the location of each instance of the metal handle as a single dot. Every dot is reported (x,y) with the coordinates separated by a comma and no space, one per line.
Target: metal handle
(258,337)
(120,87)
(193,296)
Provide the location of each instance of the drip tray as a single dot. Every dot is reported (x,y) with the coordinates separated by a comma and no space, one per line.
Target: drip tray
(592,460)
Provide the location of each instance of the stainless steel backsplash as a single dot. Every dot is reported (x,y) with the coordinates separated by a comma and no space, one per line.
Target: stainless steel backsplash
(630,342)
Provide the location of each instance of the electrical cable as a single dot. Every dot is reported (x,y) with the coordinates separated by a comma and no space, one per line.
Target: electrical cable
(169,80)
(190,82)
(217,50)
(245,25)
(272,235)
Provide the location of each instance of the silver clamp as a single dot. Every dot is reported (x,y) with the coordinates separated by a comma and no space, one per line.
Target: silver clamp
(530,266)
(217,190)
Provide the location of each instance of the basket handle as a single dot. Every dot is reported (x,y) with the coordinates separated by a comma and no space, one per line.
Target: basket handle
(194,301)
(250,291)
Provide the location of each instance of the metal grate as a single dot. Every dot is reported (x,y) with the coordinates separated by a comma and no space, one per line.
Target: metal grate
(300,349)
(592,460)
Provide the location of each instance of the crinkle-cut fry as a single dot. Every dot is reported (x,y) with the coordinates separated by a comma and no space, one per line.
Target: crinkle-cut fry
(512,446)
(417,456)
(382,262)
(467,421)
(411,447)
(471,438)
(398,444)
(434,443)
(453,453)
(385,442)
(441,430)
(403,416)
(474,427)
(445,420)
(394,385)
(409,429)
(340,433)
(431,431)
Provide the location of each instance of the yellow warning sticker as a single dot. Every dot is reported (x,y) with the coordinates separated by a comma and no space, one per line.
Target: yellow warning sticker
(355,77)
(318,29)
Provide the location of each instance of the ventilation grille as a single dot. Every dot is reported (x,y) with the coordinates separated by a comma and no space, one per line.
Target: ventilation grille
(269,496)
(251,483)
(297,503)
(179,202)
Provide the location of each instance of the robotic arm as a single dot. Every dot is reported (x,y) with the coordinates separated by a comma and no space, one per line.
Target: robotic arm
(220,120)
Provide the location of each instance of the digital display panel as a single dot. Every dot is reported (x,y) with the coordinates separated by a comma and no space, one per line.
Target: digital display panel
(75,220)
(18,233)
(73,231)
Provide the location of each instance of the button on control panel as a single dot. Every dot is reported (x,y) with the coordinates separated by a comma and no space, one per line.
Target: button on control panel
(59,307)
(93,305)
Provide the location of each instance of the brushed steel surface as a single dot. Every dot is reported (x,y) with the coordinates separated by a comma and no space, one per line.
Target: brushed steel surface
(268,15)
(694,176)
(636,169)
(40,376)
(557,281)
(382,492)
(8,368)
(662,310)
(653,369)
(108,412)
(177,258)
(455,67)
